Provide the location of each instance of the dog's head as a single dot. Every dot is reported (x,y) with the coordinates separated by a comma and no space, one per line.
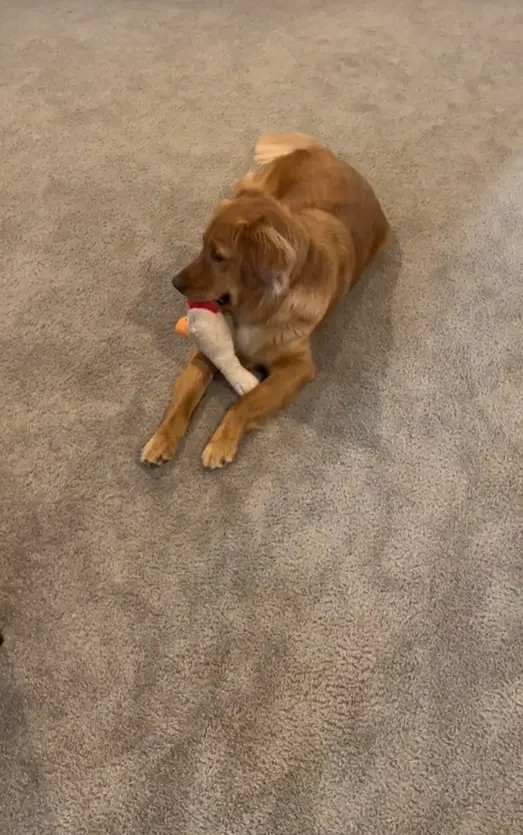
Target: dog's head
(250,251)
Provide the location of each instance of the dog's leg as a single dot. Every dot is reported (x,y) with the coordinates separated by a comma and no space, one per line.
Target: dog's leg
(286,378)
(189,389)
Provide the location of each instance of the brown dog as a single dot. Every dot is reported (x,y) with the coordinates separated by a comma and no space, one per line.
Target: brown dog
(279,255)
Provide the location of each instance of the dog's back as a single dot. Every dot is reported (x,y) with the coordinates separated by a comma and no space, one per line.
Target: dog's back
(303,175)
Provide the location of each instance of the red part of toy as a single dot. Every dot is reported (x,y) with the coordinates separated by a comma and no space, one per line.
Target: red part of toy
(214,307)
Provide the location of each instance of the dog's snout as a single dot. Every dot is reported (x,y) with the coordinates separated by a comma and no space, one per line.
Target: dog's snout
(179,282)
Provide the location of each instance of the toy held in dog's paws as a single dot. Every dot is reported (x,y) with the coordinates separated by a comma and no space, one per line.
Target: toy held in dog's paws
(210,332)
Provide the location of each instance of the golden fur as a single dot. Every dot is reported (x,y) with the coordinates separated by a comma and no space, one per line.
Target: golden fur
(282,251)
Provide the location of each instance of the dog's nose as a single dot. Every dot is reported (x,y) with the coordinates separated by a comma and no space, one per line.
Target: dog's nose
(179,283)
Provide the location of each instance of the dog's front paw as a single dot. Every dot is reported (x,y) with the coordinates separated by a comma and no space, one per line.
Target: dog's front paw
(159,449)
(220,450)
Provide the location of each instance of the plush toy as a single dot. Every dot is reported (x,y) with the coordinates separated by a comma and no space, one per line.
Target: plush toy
(210,332)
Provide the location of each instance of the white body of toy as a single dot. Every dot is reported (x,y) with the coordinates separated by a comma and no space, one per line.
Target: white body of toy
(212,335)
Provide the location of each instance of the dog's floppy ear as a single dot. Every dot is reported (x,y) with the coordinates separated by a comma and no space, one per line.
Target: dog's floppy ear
(269,254)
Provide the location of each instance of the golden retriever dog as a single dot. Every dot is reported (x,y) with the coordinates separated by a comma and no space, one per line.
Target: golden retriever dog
(278,255)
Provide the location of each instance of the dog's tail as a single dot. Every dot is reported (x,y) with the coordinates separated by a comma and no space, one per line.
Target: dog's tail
(275,145)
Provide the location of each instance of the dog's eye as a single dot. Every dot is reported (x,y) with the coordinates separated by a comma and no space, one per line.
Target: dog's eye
(223,300)
(216,256)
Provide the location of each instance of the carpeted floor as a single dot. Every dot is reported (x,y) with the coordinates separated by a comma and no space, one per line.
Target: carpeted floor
(327,637)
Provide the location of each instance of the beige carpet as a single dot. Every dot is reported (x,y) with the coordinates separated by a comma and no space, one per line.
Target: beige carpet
(326,638)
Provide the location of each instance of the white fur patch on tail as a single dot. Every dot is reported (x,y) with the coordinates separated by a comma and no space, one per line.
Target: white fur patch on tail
(275,145)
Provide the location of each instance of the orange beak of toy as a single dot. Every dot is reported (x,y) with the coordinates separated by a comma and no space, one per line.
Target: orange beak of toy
(182,326)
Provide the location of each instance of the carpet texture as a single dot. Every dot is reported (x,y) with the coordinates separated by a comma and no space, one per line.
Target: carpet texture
(327,637)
